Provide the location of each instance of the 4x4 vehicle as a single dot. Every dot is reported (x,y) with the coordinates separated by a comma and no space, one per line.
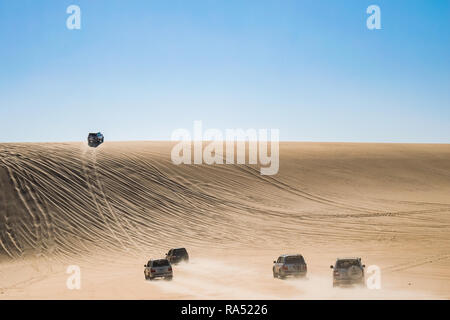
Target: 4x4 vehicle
(289,265)
(177,255)
(95,139)
(160,268)
(348,271)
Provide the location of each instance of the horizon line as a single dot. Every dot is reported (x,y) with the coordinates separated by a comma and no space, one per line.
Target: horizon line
(224,141)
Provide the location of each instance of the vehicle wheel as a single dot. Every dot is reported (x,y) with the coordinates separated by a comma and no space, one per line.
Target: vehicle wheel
(168,278)
(274,274)
(146,277)
(355,273)
(335,284)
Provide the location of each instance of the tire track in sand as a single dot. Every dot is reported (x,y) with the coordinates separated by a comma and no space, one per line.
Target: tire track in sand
(108,205)
(91,186)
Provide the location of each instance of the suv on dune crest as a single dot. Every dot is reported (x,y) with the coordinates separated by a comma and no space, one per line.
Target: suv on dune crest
(160,268)
(348,271)
(177,255)
(289,265)
(95,139)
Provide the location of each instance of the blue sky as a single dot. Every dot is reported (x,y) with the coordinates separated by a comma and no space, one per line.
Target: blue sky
(137,70)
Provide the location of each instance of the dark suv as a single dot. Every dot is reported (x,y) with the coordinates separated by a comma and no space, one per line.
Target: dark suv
(177,255)
(95,139)
(348,271)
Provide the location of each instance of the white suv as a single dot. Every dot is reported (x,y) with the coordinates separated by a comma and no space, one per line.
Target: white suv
(289,265)
(160,268)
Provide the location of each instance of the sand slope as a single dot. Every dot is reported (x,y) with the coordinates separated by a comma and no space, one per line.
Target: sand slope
(110,209)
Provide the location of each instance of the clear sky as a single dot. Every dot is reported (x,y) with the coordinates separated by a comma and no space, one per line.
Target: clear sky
(137,70)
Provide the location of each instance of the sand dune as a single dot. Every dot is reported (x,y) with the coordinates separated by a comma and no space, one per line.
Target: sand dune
(110,209)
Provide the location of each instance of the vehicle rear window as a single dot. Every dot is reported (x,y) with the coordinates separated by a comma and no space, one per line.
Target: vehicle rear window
(347,263)
(294,260)
(179,252)
(160,263)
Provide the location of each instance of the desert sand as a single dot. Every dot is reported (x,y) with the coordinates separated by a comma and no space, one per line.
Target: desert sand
(110,209)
